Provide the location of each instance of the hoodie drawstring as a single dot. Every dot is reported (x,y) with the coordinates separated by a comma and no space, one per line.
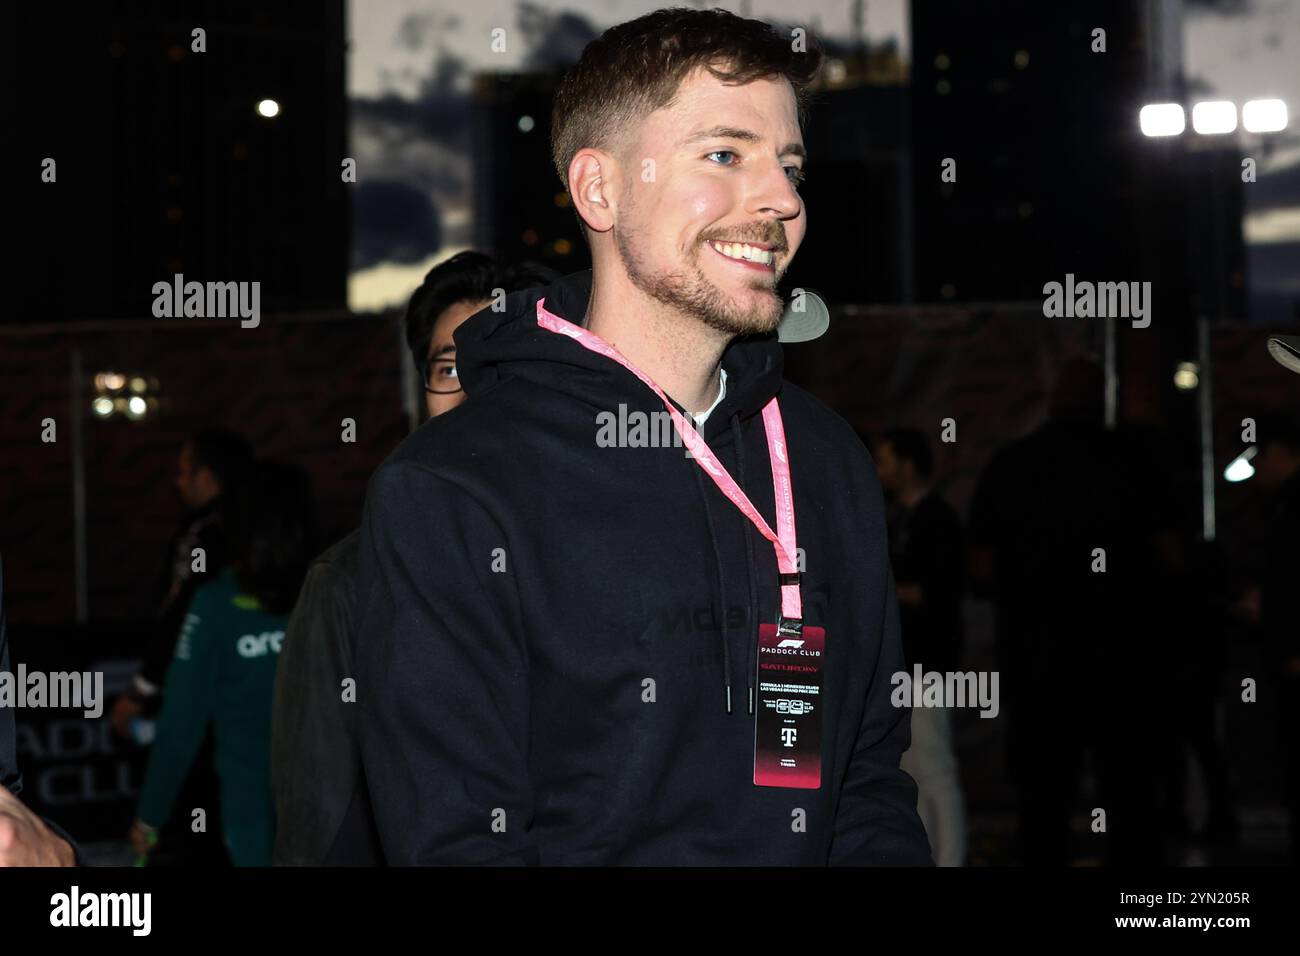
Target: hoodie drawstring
(750,621)
(738,437)
(722,592)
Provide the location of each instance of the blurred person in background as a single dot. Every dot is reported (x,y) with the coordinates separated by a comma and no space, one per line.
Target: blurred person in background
(1061,528)
(210,469)
(224,670)
(1201,612)
(928,552)
(1277,468)
(321,799)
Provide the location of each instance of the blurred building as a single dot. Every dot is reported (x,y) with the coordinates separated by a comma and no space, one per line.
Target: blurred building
(858,247)
(521,208)
(164,162)
(1054,177)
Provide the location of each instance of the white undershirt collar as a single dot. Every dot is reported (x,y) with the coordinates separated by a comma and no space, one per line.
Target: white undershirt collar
(722,391)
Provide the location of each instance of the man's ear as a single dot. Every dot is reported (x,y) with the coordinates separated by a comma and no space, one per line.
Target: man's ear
(593,176)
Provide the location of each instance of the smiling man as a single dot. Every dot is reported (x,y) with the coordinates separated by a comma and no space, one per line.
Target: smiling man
(570,653)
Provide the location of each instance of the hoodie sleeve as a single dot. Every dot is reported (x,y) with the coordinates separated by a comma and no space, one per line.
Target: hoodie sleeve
(189,700)
(442,677)
(876,822)
(313,730)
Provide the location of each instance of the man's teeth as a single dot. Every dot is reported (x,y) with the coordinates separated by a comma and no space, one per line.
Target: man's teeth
(742,250)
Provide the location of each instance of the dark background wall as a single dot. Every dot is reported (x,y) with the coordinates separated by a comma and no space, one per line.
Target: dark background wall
(287,385)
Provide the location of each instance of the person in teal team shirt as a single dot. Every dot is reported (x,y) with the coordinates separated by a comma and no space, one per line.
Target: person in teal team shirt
(224,670)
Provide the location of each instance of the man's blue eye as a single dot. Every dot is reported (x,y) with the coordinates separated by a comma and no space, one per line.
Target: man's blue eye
(722,152)
(795,174)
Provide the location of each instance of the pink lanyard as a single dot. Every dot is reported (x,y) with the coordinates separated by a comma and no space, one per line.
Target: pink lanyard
(783,541)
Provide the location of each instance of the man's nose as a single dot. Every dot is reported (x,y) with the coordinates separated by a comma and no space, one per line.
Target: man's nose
(775,195)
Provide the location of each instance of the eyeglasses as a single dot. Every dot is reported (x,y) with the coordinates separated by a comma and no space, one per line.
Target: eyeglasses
(440,376)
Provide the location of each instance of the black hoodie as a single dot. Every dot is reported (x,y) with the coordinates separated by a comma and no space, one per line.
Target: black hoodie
(548,630)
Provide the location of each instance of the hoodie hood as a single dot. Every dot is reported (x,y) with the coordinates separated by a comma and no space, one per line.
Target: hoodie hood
(494,346)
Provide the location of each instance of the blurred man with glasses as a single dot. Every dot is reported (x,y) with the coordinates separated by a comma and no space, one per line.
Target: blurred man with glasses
(322,808)
(466,283)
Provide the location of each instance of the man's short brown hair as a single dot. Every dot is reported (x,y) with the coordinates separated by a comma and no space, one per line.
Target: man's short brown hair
(636,67)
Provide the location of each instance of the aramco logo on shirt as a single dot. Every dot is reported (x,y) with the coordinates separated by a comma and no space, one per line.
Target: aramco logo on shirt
(259,645)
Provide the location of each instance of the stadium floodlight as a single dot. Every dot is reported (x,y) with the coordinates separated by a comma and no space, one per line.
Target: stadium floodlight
(1263,116)
(1214,117)
(1162,119)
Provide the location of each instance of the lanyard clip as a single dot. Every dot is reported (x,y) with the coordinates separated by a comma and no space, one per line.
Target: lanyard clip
(789,626)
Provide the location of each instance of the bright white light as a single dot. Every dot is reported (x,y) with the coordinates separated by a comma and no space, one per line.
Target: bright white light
(1162,119)
(1271,225)
(268,108)
(103,407)
(1214,116)
(1240,468)
(1187,376)
(1264,116)
(526,124)
(135,407)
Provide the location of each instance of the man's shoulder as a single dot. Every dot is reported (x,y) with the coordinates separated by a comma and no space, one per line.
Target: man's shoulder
(331,578)
(322,616)
(340,558)
(484,425)
(219,585)
(481,449)
(809,421)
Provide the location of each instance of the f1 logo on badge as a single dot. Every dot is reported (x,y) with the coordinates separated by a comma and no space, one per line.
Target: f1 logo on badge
(790,642)
(788,735)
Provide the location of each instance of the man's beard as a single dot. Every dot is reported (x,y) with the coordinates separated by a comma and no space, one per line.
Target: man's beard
(689,291)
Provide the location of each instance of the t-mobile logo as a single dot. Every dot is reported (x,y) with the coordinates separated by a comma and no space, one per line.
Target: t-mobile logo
(788,735)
